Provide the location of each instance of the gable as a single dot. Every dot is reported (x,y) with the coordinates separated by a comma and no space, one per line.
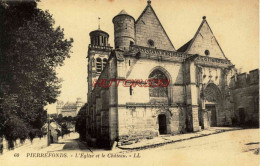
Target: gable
(148,27)
(204,42)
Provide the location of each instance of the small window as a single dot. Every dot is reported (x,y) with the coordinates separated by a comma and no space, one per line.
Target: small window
(96,40)
(160,58)
(99,65)
(104,62)
(207,52)
(93,62)
(105,41)
(151,42)
(92,40)
(133,112)
(129,62)
(131,90)
(131,43)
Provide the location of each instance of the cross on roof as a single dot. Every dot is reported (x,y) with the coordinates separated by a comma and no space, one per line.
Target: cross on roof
(99,22)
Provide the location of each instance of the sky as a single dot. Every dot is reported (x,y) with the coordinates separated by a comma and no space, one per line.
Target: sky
(235,24)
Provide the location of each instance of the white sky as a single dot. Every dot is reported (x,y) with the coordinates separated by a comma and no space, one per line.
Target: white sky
(235,24)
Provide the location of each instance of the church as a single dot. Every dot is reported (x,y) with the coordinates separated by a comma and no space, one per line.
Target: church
(196,98)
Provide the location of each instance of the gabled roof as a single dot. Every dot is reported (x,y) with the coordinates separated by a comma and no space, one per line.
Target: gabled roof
(186,47)
(144,11)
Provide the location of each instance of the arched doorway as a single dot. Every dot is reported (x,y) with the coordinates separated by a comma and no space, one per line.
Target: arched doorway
(162,124)
(212,97)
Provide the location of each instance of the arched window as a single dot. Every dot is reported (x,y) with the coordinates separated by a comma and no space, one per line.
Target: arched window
(96,40)
(104,62)
(159,91)
(92,40)
(105,41)
(99,65)
(93,62)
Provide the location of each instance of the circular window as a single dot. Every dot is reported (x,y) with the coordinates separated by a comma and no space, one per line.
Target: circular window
(207,52)
(151,42)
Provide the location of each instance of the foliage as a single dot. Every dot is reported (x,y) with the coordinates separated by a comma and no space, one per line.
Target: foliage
(65,122)
(80,125)
(64,129)
(31,51)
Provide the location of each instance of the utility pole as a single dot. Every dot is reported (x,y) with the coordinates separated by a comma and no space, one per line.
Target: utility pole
(48,130)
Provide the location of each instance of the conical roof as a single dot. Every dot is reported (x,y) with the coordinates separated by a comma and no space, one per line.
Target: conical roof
(123,12)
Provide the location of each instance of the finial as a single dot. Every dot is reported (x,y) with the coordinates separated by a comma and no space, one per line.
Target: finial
(99,23)
(204,17)
(149,2)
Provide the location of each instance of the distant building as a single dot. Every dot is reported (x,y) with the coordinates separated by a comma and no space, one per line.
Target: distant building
(69,108)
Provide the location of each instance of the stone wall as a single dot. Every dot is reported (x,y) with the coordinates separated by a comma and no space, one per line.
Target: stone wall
(137,123)
(137,71)
(149,27)
(124,30)
(205,40)
(138,112)
(245,96)
(100,119)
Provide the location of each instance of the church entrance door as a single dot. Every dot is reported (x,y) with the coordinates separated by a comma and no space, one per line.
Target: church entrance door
(162,124)
(212,115)
(213,100)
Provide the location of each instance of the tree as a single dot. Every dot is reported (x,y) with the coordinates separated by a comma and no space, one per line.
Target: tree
(31,49)
(80,125)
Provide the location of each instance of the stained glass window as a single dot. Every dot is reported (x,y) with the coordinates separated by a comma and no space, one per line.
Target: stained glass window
(157,91)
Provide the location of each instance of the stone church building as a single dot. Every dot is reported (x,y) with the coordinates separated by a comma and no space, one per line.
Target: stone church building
(196,98)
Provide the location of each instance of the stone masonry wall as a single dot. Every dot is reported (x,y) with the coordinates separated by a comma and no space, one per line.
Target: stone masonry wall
(137,71)
(142,122)
(148,27)
(205,40)
(245,96)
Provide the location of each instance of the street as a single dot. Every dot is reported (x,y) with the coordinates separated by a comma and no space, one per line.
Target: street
(229,148)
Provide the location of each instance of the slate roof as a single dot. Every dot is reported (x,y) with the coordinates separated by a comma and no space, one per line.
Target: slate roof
(70,105)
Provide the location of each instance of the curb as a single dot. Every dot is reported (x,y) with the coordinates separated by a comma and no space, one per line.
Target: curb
(173,141)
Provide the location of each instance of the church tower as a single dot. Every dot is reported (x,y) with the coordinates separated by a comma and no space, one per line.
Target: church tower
(98,52)
(124,30)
